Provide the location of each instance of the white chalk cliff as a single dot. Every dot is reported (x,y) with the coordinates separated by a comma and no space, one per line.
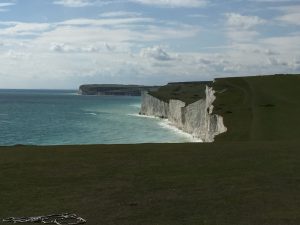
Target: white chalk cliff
(196,119)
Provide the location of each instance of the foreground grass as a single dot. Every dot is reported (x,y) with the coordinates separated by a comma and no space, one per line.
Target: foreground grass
(163,184)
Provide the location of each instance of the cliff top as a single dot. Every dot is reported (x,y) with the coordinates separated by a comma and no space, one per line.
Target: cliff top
(187,92)
(111,85)
(259,108)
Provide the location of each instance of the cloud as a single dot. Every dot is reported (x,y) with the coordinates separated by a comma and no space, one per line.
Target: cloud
(173,3)
(287,43)
(86,3)
(120,14)
(236,20)
(155,52)
(197,16)
(67,48)
(73,3)
(92,35)
(121,30)
(270,52)
(276,62)
(16,55)
(105,21)
(272,1)
(241,28)
(291,14)
(242,35)
(19,28)
(4,6)
(292,18)
(60,47)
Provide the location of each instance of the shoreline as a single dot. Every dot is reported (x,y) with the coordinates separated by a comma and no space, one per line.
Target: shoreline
(166,124)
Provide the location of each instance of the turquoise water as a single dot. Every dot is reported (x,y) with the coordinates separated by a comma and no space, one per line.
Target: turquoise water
(40,117)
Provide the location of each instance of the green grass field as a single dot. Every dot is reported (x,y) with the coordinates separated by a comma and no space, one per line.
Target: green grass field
(259,108)
(187,92)
(163,184)
(249,176)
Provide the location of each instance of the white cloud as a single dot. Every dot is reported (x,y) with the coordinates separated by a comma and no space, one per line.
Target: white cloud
(270,52)
(292,18)
(291,14)
(158,3)
(73,3)
(242,35)
(272,1)
(4,6)
(197,16)
(60,47)
(16,55)
(155,52)
(105,22)
(19,28)
(67,48)
(287,48)
(276,62)
(240,28)
(243,22)
(174,3)
(120,14)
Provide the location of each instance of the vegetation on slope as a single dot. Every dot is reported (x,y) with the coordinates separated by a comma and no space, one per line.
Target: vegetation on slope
(114,89)
(259,108)
(163,184)
(187,92)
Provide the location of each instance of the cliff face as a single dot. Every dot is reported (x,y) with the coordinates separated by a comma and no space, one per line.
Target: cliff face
(152,106)
(196,118)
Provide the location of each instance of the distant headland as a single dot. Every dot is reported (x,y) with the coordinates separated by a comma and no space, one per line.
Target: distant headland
(114,89)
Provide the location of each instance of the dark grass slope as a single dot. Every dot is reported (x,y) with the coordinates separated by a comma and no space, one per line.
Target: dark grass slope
(114,89)
(163,184)
(259,108)
(187,92)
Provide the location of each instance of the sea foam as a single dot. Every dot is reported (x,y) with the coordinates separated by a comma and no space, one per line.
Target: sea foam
(166,124)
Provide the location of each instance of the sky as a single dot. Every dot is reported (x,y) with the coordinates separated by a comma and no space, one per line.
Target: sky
(64,43)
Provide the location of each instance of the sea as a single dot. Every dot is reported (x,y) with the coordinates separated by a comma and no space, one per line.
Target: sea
(62,117)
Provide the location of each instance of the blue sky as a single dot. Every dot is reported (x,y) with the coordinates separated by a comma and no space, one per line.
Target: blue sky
(65,43)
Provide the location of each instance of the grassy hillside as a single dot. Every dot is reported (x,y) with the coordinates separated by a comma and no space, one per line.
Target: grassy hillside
(114,89)
(162,184)
(259,108)
(187,92)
